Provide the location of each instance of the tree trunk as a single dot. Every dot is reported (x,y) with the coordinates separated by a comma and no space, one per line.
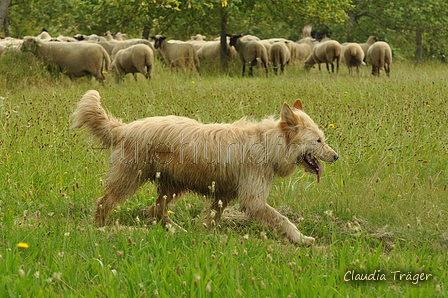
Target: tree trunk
(4,14)
(224,52)
(146,31)
(419,45)
(351,25)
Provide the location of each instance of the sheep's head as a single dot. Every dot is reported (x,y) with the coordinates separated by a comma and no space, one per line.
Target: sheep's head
(158,39)
(233,39)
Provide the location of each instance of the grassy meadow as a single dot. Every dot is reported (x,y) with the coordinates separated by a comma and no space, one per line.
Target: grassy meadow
(380,212)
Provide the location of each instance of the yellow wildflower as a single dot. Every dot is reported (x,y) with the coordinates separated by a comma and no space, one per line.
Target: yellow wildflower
(331,125)
(23,245)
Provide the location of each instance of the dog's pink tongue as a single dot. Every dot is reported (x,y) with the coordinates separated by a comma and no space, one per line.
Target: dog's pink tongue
(319,171)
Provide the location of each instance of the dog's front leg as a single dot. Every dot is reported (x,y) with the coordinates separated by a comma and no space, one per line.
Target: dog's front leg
(268,216)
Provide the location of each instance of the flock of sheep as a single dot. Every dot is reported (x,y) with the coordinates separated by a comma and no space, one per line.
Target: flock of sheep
(94,55)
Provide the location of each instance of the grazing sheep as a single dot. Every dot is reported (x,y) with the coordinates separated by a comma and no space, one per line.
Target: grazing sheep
(198,37)
(178,55)
(365,46)
(130,42)
(352,55)
(138,58)
(325,52)
(211,50)
(249,52)
(107,45)
(76,59)
(303,51)
(197,41)
(279,55)
(380,56)
(108,36)
(309,41)
(248,37)
(120,36)
(44,35)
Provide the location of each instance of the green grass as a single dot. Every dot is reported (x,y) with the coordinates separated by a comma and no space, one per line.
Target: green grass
(381,206)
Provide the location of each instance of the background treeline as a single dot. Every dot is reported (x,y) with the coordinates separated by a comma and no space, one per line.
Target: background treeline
(415,29)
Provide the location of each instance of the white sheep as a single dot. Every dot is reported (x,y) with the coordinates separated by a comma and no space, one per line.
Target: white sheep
(325,52)
(197,41)
(76,59)
(365,46)
(120,36)
(279,55)
(177,55)
(198,37)
(211,50)
(135,59)
(127,43)
(352,56)
(380,56)
(44,35)
(250,52)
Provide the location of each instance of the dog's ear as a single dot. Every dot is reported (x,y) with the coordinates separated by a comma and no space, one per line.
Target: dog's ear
(298,105)
(288,117)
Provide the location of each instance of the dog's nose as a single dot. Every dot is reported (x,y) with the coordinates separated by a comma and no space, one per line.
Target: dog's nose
(335,157)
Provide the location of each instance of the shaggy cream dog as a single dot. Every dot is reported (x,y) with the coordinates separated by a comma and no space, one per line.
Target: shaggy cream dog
(220,161)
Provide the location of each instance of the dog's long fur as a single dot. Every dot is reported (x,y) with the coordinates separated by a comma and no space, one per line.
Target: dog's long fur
(221,161)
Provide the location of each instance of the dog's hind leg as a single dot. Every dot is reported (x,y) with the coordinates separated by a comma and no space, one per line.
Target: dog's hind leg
(159,210)
(115,194)
(214,214)
(121,184)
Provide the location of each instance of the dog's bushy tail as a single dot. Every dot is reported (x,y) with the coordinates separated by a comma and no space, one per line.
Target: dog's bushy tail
(90,113)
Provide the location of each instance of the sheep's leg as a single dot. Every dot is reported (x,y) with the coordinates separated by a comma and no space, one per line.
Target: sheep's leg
(387,69)
(265,64)
(251,69)
(244,68)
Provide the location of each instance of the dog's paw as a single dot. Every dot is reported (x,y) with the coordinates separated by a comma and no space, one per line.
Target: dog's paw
(306,241)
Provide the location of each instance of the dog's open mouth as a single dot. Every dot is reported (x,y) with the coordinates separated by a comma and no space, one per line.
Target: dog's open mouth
(313,165)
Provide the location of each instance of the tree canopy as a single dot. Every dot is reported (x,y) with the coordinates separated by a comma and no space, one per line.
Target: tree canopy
(414,28)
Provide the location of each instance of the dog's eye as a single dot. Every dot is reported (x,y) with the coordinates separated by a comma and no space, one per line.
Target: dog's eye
(319,141)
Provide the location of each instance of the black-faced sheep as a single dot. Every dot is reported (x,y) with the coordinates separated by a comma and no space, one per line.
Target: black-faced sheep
(325,52)
(365,46)
(44,35)
(138,58)
(76,59)
(279,55)
(380,56)
(352,56)
(250,52)
(177,55)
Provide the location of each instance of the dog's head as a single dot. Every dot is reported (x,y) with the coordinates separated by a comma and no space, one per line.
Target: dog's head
(305,141)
